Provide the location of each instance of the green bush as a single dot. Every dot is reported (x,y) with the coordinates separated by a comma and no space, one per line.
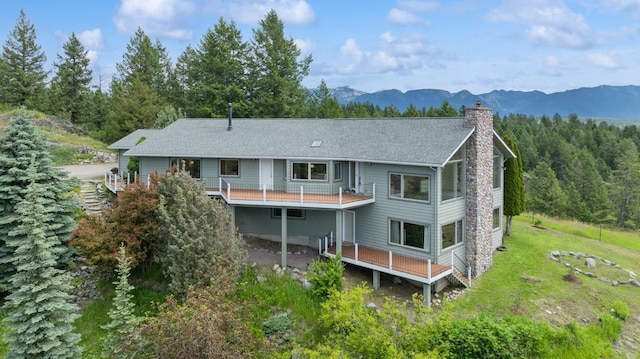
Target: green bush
(620,309)
(325,276)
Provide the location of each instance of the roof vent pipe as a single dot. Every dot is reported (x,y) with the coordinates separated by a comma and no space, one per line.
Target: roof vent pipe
(230,115)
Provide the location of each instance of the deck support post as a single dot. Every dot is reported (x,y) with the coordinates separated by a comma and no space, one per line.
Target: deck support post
(339,225)
(232,209)
(376,279)
(283,239)
(426,293)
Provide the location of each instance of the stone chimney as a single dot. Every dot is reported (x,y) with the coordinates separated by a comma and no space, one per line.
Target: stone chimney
(479,194)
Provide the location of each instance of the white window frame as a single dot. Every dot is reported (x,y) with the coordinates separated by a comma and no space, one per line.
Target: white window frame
(458,234)
(310,166)
(426,244)
(401,193)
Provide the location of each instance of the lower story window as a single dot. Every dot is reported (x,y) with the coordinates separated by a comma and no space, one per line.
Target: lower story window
(294,213)
(409,234)
(451,234)
(191,165)
(496,218)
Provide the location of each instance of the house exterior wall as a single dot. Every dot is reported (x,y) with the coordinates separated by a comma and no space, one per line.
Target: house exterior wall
(260,222)
(123,161)
(150,165)
(479,190)
(372,221)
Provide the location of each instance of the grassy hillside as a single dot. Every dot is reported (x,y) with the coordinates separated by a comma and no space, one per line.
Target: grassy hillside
(70,145)
(524,281)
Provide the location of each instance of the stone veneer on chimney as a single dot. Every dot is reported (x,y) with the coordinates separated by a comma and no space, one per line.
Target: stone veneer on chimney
(479,196)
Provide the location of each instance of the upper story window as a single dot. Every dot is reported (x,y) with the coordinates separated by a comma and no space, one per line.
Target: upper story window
(229,167)
(497,171)
(309,171)
(452,177)
(409,234)
(191,165)
(337,171)
(409,186)
(451,234)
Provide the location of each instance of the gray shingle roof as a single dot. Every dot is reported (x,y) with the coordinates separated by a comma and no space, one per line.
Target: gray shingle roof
(425,141)
(131,139)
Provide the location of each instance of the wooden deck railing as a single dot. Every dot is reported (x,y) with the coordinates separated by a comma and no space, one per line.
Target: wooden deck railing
(403,266)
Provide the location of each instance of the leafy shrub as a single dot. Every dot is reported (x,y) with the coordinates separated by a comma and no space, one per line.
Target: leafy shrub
(207,324)
(611,327)
(325,276)
(620,309)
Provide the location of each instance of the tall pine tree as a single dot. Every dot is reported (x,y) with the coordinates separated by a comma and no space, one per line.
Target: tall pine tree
(275,73)
(22,74)
(20,148)
(200,238)
(123,319)
(513,184)
(40,319)
(71,81)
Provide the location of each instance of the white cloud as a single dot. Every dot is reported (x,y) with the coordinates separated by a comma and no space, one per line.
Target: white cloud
(305,46)
(351,48)
(402,17)
(549,22)
(92,39)
(602,60)
(419,6)
(162,18)
(252,11)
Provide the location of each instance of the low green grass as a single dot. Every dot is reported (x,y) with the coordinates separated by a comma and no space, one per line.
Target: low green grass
(523,281)
(279,293)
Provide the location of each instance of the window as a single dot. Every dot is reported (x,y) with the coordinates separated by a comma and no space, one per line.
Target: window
(497,171)
(337,171)
(451,234)
(309,171)
(229,167)
(452,177)
(191,165)
(409,234)
(496,218)
(409,186)
(293,213)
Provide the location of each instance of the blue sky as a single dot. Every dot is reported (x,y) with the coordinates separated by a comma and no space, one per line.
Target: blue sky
(474,45)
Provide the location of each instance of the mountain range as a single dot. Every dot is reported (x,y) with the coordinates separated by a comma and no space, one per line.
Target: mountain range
(602,102)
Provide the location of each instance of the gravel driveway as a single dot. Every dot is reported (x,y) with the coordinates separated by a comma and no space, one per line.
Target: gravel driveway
(93,171)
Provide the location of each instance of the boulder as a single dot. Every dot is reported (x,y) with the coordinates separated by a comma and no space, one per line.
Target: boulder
(590,263)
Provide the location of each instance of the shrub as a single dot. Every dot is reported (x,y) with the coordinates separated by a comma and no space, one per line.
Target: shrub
(620,309)
(325,276)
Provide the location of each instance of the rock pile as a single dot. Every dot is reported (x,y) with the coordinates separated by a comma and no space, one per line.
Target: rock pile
(590,263)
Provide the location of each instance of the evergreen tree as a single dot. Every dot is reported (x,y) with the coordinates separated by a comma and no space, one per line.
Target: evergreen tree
(585,177)
(322,104)
(134,106)
(411,111)
(544,193)
(202,245)
(213,74)
(513,184)
(99,107)
(626,187)
(71,81)
(22,74)
(146,62)
(40,319)
(167,116)
(275,73)
(123,319)
(19,147)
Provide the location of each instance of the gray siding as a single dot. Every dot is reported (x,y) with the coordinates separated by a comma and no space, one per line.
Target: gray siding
(259,221)
(149,165)
(123,161)
(372,221)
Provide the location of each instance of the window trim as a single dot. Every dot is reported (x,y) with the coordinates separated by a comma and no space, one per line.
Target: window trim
(458,177)
(498,170)
(180,159)
(426,245)
(310,166)
(291,213)
(499,209)
(220,167)
(455,226)
(337,171)
(402,184)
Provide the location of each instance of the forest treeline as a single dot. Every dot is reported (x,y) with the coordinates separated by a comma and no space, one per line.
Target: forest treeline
(574,168)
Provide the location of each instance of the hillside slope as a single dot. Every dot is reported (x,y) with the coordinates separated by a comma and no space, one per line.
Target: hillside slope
(69,144)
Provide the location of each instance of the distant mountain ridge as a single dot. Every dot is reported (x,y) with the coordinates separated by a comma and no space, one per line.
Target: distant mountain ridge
(602,102)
